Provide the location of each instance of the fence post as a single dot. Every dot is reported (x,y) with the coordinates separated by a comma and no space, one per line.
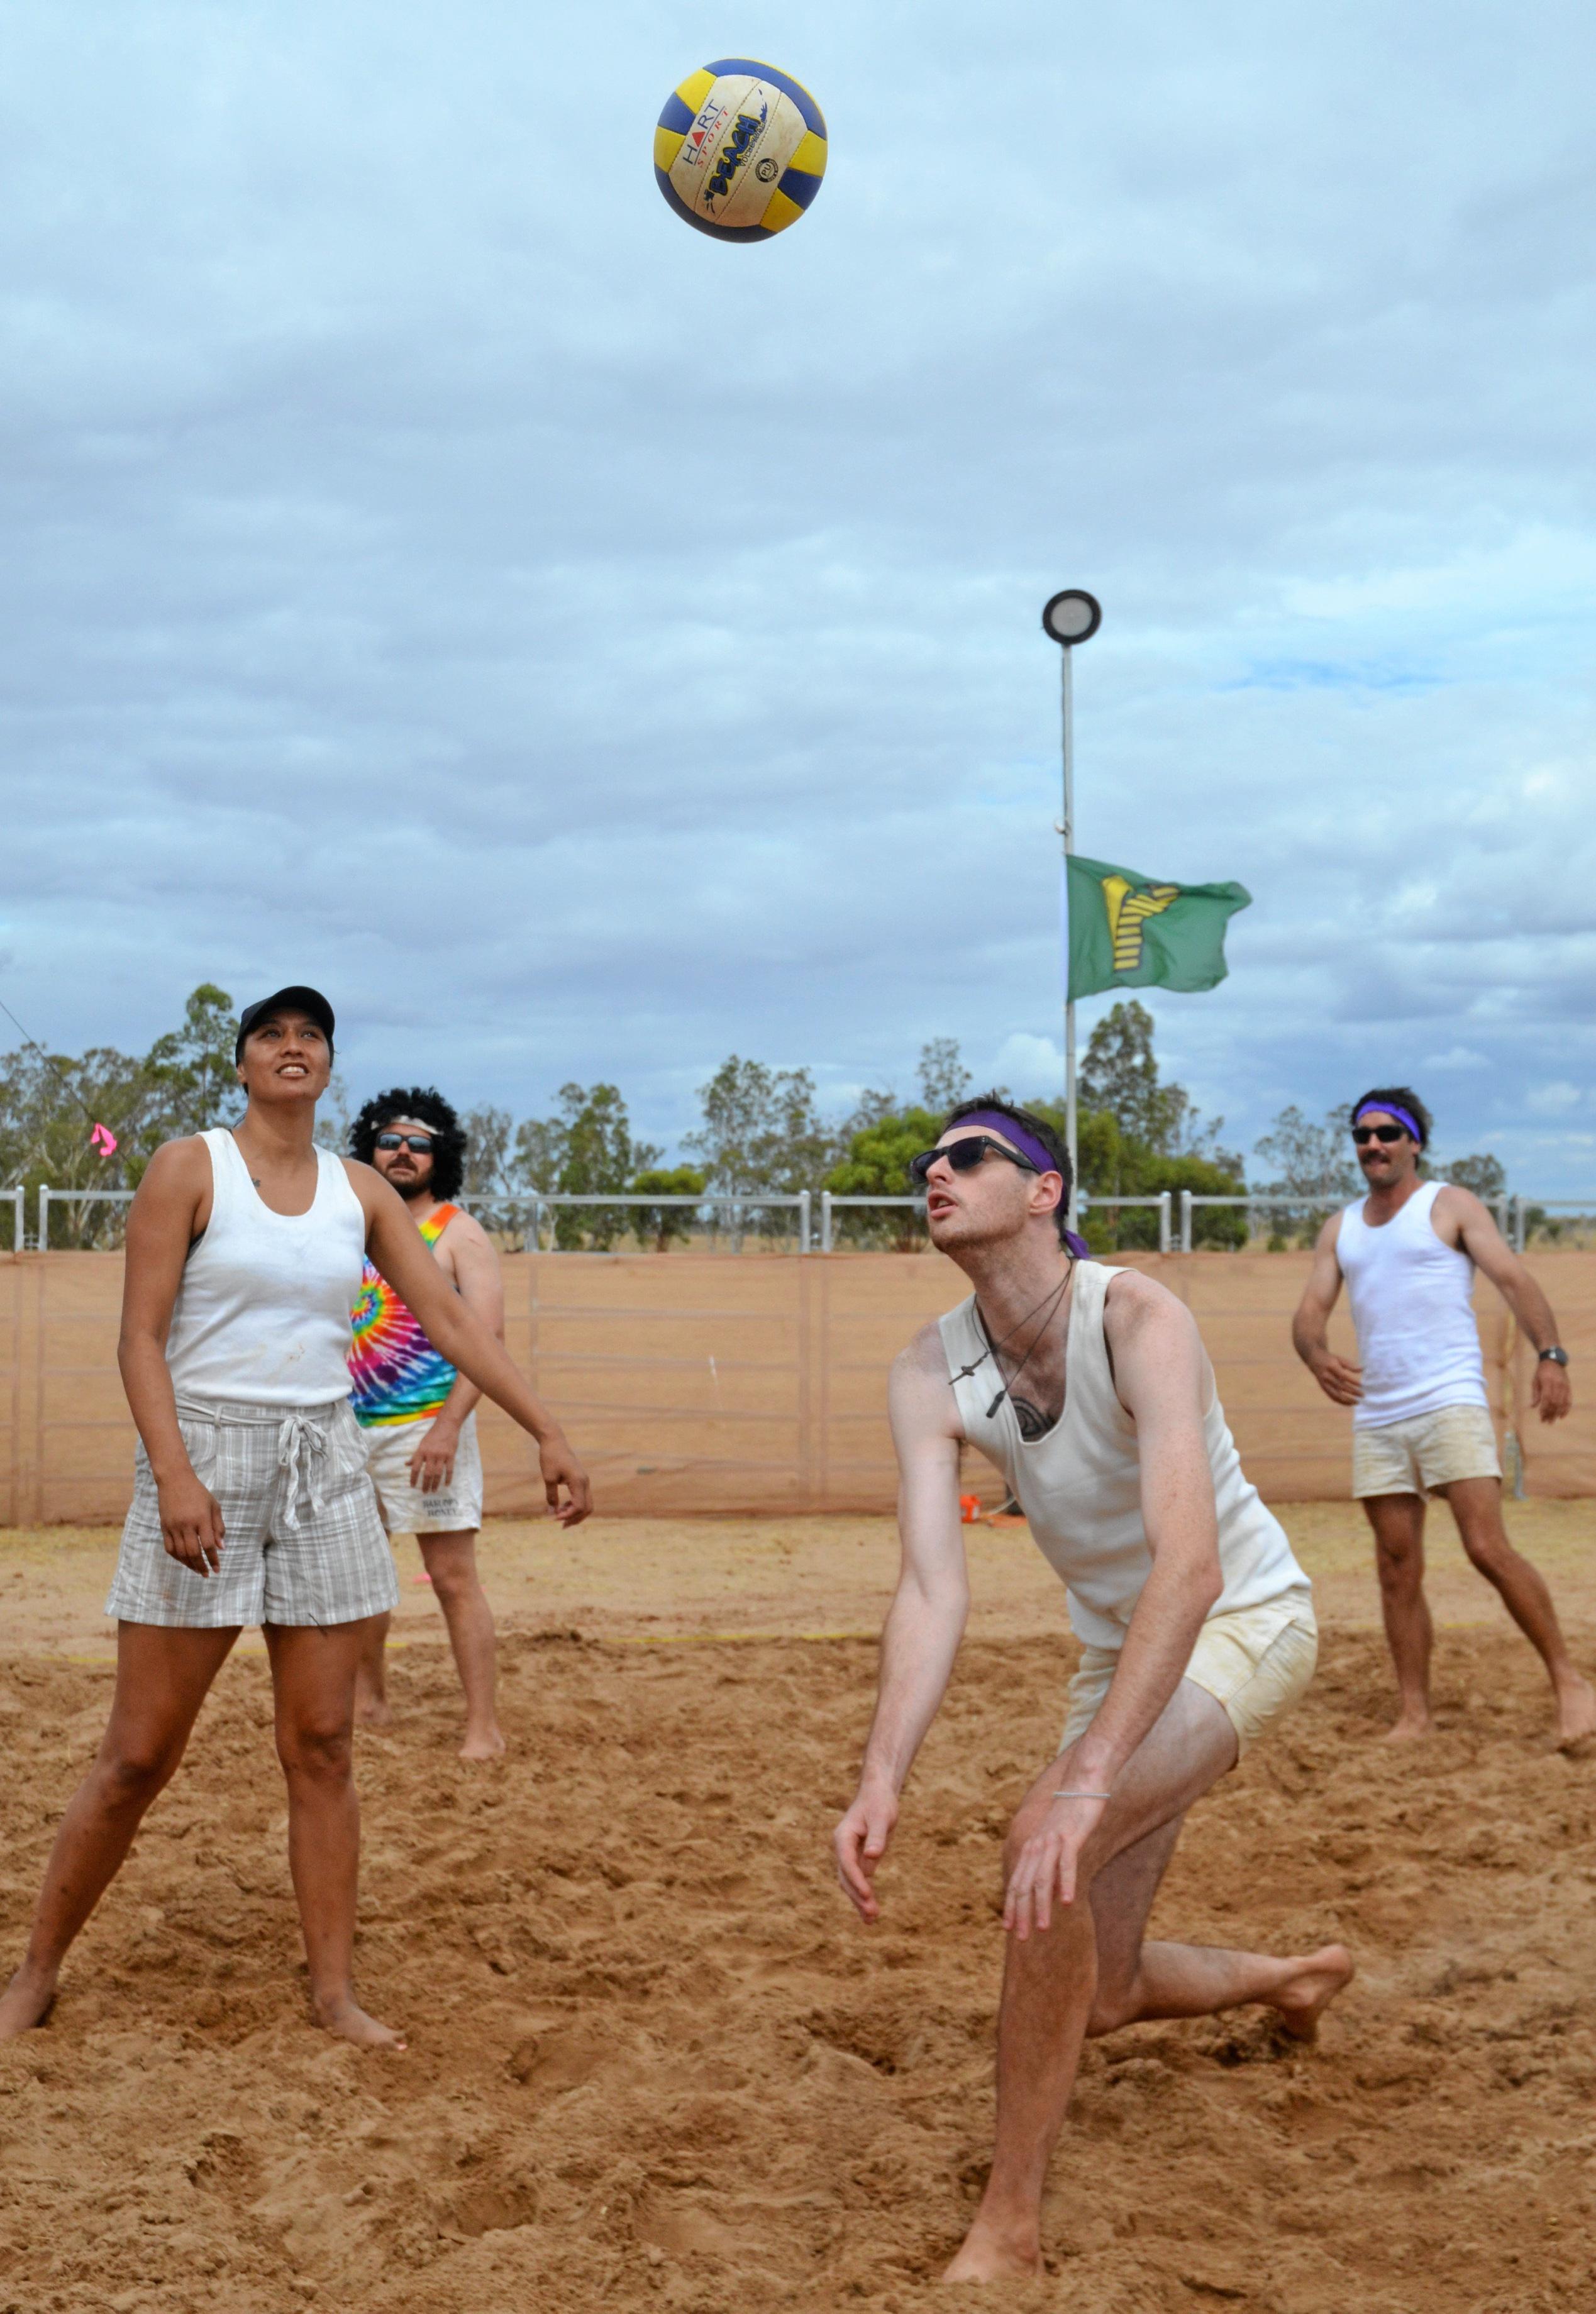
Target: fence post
(825,1221)
(1518,1224)
(1164,1202)
(803,1221)
(1185,1220)
(44,1217)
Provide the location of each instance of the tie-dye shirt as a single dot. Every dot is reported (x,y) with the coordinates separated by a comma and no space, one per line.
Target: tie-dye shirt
(397,1375)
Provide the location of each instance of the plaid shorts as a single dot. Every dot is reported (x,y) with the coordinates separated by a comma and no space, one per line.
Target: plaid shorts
(303,1542)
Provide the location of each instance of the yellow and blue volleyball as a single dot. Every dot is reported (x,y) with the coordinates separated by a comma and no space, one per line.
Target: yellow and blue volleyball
(740,150)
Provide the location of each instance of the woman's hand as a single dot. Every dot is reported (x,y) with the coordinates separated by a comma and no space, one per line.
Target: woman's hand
(191,1524)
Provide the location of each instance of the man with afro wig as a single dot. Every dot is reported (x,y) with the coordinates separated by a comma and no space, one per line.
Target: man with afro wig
(417,1413)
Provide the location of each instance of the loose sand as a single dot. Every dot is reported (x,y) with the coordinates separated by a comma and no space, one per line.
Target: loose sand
(655,2062)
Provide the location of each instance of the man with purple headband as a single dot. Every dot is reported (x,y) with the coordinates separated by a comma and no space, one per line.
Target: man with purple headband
(1090,1389)
(1421,1421)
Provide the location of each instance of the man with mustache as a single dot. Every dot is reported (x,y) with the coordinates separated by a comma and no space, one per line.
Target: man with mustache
(1421,1422)
(416,1413)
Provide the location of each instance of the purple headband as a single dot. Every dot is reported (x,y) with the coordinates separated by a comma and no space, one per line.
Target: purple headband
(1028,1146)
(1388,1108)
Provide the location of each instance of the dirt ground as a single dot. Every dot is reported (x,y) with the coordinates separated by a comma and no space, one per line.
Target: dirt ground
(654,2061)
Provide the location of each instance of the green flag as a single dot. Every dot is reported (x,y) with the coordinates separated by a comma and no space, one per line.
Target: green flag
(1128,931)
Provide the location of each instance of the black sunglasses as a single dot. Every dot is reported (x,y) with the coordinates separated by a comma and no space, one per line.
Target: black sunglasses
(1361,1134)
(965,1155)
(420,1142)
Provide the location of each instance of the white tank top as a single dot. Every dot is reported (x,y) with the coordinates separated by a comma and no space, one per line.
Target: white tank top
(1080,1486)
(1413,1304)
(262,1312)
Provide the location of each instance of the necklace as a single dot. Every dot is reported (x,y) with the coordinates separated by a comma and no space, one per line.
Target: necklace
(1049,1304)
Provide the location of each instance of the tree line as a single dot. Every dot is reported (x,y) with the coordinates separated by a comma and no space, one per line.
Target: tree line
(760,1133)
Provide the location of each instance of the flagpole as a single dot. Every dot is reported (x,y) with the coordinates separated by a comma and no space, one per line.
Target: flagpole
(1067,830)
(1070,618)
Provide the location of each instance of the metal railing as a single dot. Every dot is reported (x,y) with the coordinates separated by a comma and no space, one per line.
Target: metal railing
(537,1203)
(1083,1203)
(1522,1207)
(1510,1212)
(829,1204)
(49,1198)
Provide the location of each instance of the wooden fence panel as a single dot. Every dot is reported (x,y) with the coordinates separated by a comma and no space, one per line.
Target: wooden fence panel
(694,1382)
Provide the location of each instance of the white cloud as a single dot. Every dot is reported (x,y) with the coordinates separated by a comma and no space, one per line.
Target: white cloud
(1031,1066)
(434,570)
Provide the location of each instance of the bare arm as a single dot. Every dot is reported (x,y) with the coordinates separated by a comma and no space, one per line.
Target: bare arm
(1481,1239)
(1162,1379)
(1338,1377)
(476,1279)
(171,1207)
(926,1619)
(399,1252)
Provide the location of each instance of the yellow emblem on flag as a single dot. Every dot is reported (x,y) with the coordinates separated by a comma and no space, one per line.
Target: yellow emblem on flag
(1129,907)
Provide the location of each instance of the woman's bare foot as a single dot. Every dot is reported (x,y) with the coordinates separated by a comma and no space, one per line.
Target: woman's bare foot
(26,2001)
(1316,1979)
(345,2016)
(1414,1723)
(1576,1711)
(989,2254)
(482,1744)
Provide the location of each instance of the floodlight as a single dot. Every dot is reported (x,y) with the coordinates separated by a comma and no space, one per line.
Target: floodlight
(1072,616)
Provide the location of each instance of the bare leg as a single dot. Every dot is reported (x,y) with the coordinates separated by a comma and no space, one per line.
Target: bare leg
(371,1685)
(313,1674)
(1399,1524)
(452,1563)
(1088,1971)
(162,1676)
(1138,1982)
(1477,1506)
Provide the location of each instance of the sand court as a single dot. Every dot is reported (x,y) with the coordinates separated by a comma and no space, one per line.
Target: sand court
(654,2059)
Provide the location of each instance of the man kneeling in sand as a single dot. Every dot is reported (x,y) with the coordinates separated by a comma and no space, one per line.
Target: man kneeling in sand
(1090,1389)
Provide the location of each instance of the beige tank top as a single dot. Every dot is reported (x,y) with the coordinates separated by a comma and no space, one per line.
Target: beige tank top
(1080,1486)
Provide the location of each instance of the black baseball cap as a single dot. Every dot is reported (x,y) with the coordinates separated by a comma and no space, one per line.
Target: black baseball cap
(286,1000)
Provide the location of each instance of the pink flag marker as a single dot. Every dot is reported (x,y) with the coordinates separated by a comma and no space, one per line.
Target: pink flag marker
(104,1140)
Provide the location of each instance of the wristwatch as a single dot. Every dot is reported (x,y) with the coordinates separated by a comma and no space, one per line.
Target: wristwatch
(1552,1357)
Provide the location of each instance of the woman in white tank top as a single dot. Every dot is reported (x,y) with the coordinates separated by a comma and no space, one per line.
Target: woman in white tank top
(251,1503)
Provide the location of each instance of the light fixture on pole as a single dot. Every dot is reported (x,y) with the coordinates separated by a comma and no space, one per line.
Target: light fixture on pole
(1069,617)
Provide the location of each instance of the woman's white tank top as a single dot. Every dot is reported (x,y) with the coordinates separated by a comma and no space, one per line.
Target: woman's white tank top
(262,1313)
(1080,1486)
(1413,1305)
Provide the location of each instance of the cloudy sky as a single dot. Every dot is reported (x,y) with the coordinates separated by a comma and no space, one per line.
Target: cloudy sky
(587,649)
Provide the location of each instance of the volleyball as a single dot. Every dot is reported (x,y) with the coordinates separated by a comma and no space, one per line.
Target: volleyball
(740,150)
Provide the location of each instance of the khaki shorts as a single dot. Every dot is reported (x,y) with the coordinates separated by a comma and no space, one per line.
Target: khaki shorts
(454,1509)
(1420,1456)
(1255,1663)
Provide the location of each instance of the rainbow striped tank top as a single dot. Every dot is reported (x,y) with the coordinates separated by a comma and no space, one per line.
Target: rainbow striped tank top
(397,1375)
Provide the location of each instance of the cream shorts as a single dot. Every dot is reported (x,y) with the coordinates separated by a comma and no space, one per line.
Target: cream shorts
(1255,1663)
(302,1540)
(454,1509)
(1420,1456)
